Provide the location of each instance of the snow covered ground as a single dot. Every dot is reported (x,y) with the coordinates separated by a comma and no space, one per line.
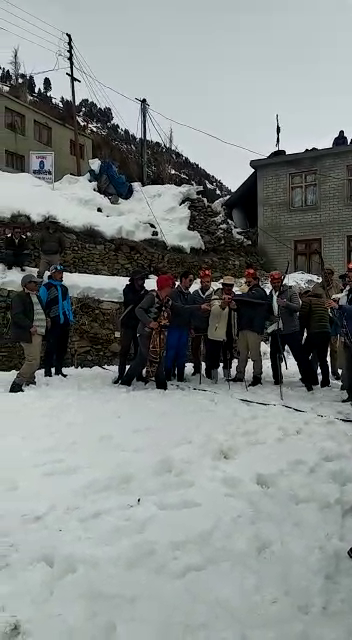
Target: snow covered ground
(130,514)
(111,287)
(74,203)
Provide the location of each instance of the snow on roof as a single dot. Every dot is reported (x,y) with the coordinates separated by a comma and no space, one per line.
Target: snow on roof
(111,287)
(74,203)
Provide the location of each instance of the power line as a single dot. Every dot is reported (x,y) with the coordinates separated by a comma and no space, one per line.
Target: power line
(33,16)
(28,22)
(30,32)
(28,40)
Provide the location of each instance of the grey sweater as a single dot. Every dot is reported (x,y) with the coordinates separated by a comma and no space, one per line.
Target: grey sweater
(289,313)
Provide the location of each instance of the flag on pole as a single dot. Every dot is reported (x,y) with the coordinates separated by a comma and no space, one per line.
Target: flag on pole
(278,131)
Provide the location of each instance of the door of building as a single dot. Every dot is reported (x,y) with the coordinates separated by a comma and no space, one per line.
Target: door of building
(307,256)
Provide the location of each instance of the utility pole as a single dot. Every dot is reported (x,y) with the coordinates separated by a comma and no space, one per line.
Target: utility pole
(144,113)
(73,97)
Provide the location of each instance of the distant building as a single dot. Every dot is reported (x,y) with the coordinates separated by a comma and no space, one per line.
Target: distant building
(301,204)
(23,128)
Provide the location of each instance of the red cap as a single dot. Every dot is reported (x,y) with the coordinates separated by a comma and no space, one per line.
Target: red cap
(250,273)
(275,275)
(205,272)
(165,281)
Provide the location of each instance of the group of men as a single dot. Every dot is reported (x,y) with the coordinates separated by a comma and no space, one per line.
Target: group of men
(223,324)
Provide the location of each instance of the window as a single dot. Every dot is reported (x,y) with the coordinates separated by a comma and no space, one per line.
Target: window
(15,161)
(15,121)
(349,249)
(42,133)
(73,149)
(307,256)
(349,183)
(303,189)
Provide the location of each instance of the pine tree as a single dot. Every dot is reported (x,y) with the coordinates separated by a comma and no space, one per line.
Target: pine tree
(47,88)
(15,65)
(40,94)
(31,86)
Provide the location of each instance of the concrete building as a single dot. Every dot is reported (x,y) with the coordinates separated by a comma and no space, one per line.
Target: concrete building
(23,129)
(301,203)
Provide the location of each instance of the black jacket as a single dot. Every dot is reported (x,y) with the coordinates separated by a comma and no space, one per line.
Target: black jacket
(22,316)
(200,319)
(181,308)
(16,247)
(131,298)
(252,309)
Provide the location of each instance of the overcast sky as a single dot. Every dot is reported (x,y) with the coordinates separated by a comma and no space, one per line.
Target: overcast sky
(226,67)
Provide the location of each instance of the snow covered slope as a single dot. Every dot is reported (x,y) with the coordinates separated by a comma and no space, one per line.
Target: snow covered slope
(138,514)
(111,287)
(74,203)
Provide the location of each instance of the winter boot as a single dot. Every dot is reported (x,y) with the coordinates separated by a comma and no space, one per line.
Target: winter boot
(61,373)
(226,374)
(181,374)
(256,380)
(237,378)
(16,387)
(48,373)
(325,383)
(116,380)
(208,373)
(215,375)
(168,375)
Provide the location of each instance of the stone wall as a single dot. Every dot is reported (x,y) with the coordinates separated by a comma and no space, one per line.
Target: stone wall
(88,251)
(92,340)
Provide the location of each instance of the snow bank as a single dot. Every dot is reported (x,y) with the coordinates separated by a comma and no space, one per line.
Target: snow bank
(111,287)
(74,203)
(138,514)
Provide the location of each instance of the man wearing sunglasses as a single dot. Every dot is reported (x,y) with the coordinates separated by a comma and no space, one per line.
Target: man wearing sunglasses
(57,305)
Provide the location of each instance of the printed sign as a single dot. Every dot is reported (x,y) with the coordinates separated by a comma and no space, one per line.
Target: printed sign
(42,166)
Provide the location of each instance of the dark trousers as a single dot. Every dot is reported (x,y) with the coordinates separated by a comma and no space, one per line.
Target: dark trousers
(318,342)
(56,346)
(214,350)
(347,370)
(196,349)
(128,336)
(294,342)
(139,363)
(176,350)
(14,259)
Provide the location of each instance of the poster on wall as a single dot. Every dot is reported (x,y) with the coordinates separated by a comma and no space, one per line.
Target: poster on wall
(41,165)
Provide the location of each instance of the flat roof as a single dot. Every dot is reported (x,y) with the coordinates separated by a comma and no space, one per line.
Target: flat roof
(314,153)
(30,106)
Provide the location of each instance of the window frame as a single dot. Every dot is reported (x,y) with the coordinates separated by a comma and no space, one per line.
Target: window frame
(15,156)
(41,126)
(349,249)
(15,114)
(81,149)
(304,185)
(308,253)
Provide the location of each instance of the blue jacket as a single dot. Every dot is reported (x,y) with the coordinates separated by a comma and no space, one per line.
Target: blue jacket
(56,301)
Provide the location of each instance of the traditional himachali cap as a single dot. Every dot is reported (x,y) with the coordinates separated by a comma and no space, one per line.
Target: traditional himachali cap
(250,273)
(29,277)
(228,280)
(205,272)
(275,276)
(165,281)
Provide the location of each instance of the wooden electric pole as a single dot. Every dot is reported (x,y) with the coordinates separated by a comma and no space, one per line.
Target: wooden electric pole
(73,97)
(144,113)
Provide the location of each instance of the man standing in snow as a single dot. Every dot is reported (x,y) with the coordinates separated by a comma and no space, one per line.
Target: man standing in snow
(314,318)
(57,305)
(200,319)
(179,329)
(28,326)
(284,306)
(252,313)
(150,312)
(52,246)
(344,313)
(133,294)
(221,331)
(332,287)
(16,250)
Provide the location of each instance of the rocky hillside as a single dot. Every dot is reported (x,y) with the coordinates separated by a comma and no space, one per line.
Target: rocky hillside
(166,165)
